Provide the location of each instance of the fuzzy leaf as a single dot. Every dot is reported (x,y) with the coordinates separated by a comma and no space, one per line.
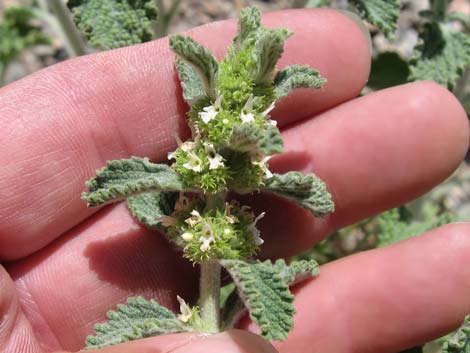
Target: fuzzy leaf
(297,271)
(140,318)
(127,177)
(248,22)
(109,24)
(17,32)
(266,295)
(459,342)
(201,60)
(268,49)
(381,13)
(193,86)
(393,226)
(148,206)
(388,69)
(251,138)
(295,76)
(307,191)
(441,55)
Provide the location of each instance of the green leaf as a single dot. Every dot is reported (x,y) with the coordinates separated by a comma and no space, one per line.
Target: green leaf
(388,69)
(381,13)
(460,341)
(297,271)
(191,83)
(251,138)
(127,177)
(109,24)
(141,318)
(312,4)
(248,22)
(460,17)
(307,191)
(264,289)
(266,295)
(201,60)
(393,225)
(267,50)
(441,55)
(17,32)
(296,76)
(149,206)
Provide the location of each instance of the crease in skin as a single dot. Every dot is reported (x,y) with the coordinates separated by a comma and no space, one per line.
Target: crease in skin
(33,313)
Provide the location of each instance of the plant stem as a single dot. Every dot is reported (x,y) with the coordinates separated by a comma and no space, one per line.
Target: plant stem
(67,29)
(209,293)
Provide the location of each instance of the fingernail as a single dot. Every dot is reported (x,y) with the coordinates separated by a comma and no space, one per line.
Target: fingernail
(233,341)
(360,23)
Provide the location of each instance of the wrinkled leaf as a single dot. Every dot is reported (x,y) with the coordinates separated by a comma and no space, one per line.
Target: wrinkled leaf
(295,76)
(149,206)
(441,55)
(268,49)
(127,177)
(109,24)
(381,13)
(459,342)
(248,22)
(388,69)
(251,138)
(265,294)
(191,83)
(201,60)
(140,318)
(307,191)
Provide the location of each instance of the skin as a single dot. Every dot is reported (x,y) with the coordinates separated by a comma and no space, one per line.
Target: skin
(64,265)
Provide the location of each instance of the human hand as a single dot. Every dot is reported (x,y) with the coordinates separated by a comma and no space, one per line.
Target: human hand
(67,265)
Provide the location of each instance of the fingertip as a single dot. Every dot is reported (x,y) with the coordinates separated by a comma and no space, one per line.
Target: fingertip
(232,341)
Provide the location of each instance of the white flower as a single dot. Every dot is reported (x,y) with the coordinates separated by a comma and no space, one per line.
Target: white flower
(194,163)
(272,122)
(187,236)
(208,113)
(216,161)
(187,146)
(186,312)
(207,238)
(263,165)
(254,231)
(167,221)
(211,111)
(206,243)
(247,117)
(194,219)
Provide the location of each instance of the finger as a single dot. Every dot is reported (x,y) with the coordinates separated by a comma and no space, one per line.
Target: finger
(15,331)
(102,253)
(388,299)
(69,286)
(233,341)
(62,123)
(374,153)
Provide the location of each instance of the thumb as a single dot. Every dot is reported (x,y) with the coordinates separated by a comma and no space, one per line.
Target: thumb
(233,341)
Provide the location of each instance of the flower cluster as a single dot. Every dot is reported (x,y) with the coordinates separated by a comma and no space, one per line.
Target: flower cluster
(209,161)
(207,234)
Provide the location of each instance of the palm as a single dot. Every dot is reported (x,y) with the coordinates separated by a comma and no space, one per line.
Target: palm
(70,265)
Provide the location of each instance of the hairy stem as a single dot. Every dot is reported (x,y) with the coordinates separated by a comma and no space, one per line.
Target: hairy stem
(209,300)
(67,29)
